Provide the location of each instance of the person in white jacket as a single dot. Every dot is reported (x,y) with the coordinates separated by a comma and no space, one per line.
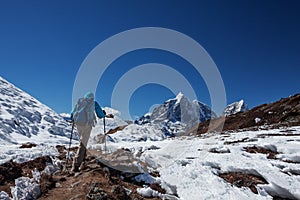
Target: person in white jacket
(83,115)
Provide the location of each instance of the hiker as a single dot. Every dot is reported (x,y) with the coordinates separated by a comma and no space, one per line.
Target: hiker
(83,115)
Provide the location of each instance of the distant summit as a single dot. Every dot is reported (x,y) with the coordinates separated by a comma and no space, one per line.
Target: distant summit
(236,107)
(179,109)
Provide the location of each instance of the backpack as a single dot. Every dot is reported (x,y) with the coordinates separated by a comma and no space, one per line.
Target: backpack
(84,112)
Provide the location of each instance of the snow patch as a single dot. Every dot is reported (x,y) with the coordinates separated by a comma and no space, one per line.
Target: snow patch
(148,192)
(4,196)
(257,120)
(26,188)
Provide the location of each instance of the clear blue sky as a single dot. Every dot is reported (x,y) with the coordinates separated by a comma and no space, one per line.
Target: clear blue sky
(255,44)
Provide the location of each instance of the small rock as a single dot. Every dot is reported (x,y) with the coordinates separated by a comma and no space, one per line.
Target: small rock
(58,185)
(119,192)
(96,193)
(76,197)
(4,196)
(75,184)
(219,150)
(28,145)
(77,174)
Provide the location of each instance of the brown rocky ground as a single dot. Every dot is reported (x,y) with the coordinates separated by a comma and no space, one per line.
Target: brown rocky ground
(239,179)
(282,113)
(11,170)
(94,181)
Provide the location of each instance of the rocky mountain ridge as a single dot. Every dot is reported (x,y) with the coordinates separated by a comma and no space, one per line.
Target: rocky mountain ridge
(282,113)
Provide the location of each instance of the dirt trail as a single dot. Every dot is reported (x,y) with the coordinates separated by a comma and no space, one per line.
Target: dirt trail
(94,181)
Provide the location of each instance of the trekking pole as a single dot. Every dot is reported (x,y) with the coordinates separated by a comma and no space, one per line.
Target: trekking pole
(70,143)
(104,135)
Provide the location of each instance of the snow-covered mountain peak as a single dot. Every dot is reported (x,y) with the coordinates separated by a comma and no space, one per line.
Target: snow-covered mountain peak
(25,119)
(236,107)
(179,109)
(241,103)
(179,97)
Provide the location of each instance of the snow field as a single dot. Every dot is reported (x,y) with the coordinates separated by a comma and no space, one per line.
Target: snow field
(190,166)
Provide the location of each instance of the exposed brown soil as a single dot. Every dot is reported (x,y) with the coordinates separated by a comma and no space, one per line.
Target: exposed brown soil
(237,141)
(155,174)
(285,112)
(62,150)
(38,163)
(157,187)
(101,137)
(290,161)
(277,134)
(8,173)
(254,149)
(119,128)
(27,145)
(239,179)
(270,154)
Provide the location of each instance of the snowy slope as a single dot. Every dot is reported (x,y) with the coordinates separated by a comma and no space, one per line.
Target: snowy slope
(236,107)
(25,119)
(190,166)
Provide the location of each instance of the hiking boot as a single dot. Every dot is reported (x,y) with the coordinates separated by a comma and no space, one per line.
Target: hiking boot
(75,169)
(82,166)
